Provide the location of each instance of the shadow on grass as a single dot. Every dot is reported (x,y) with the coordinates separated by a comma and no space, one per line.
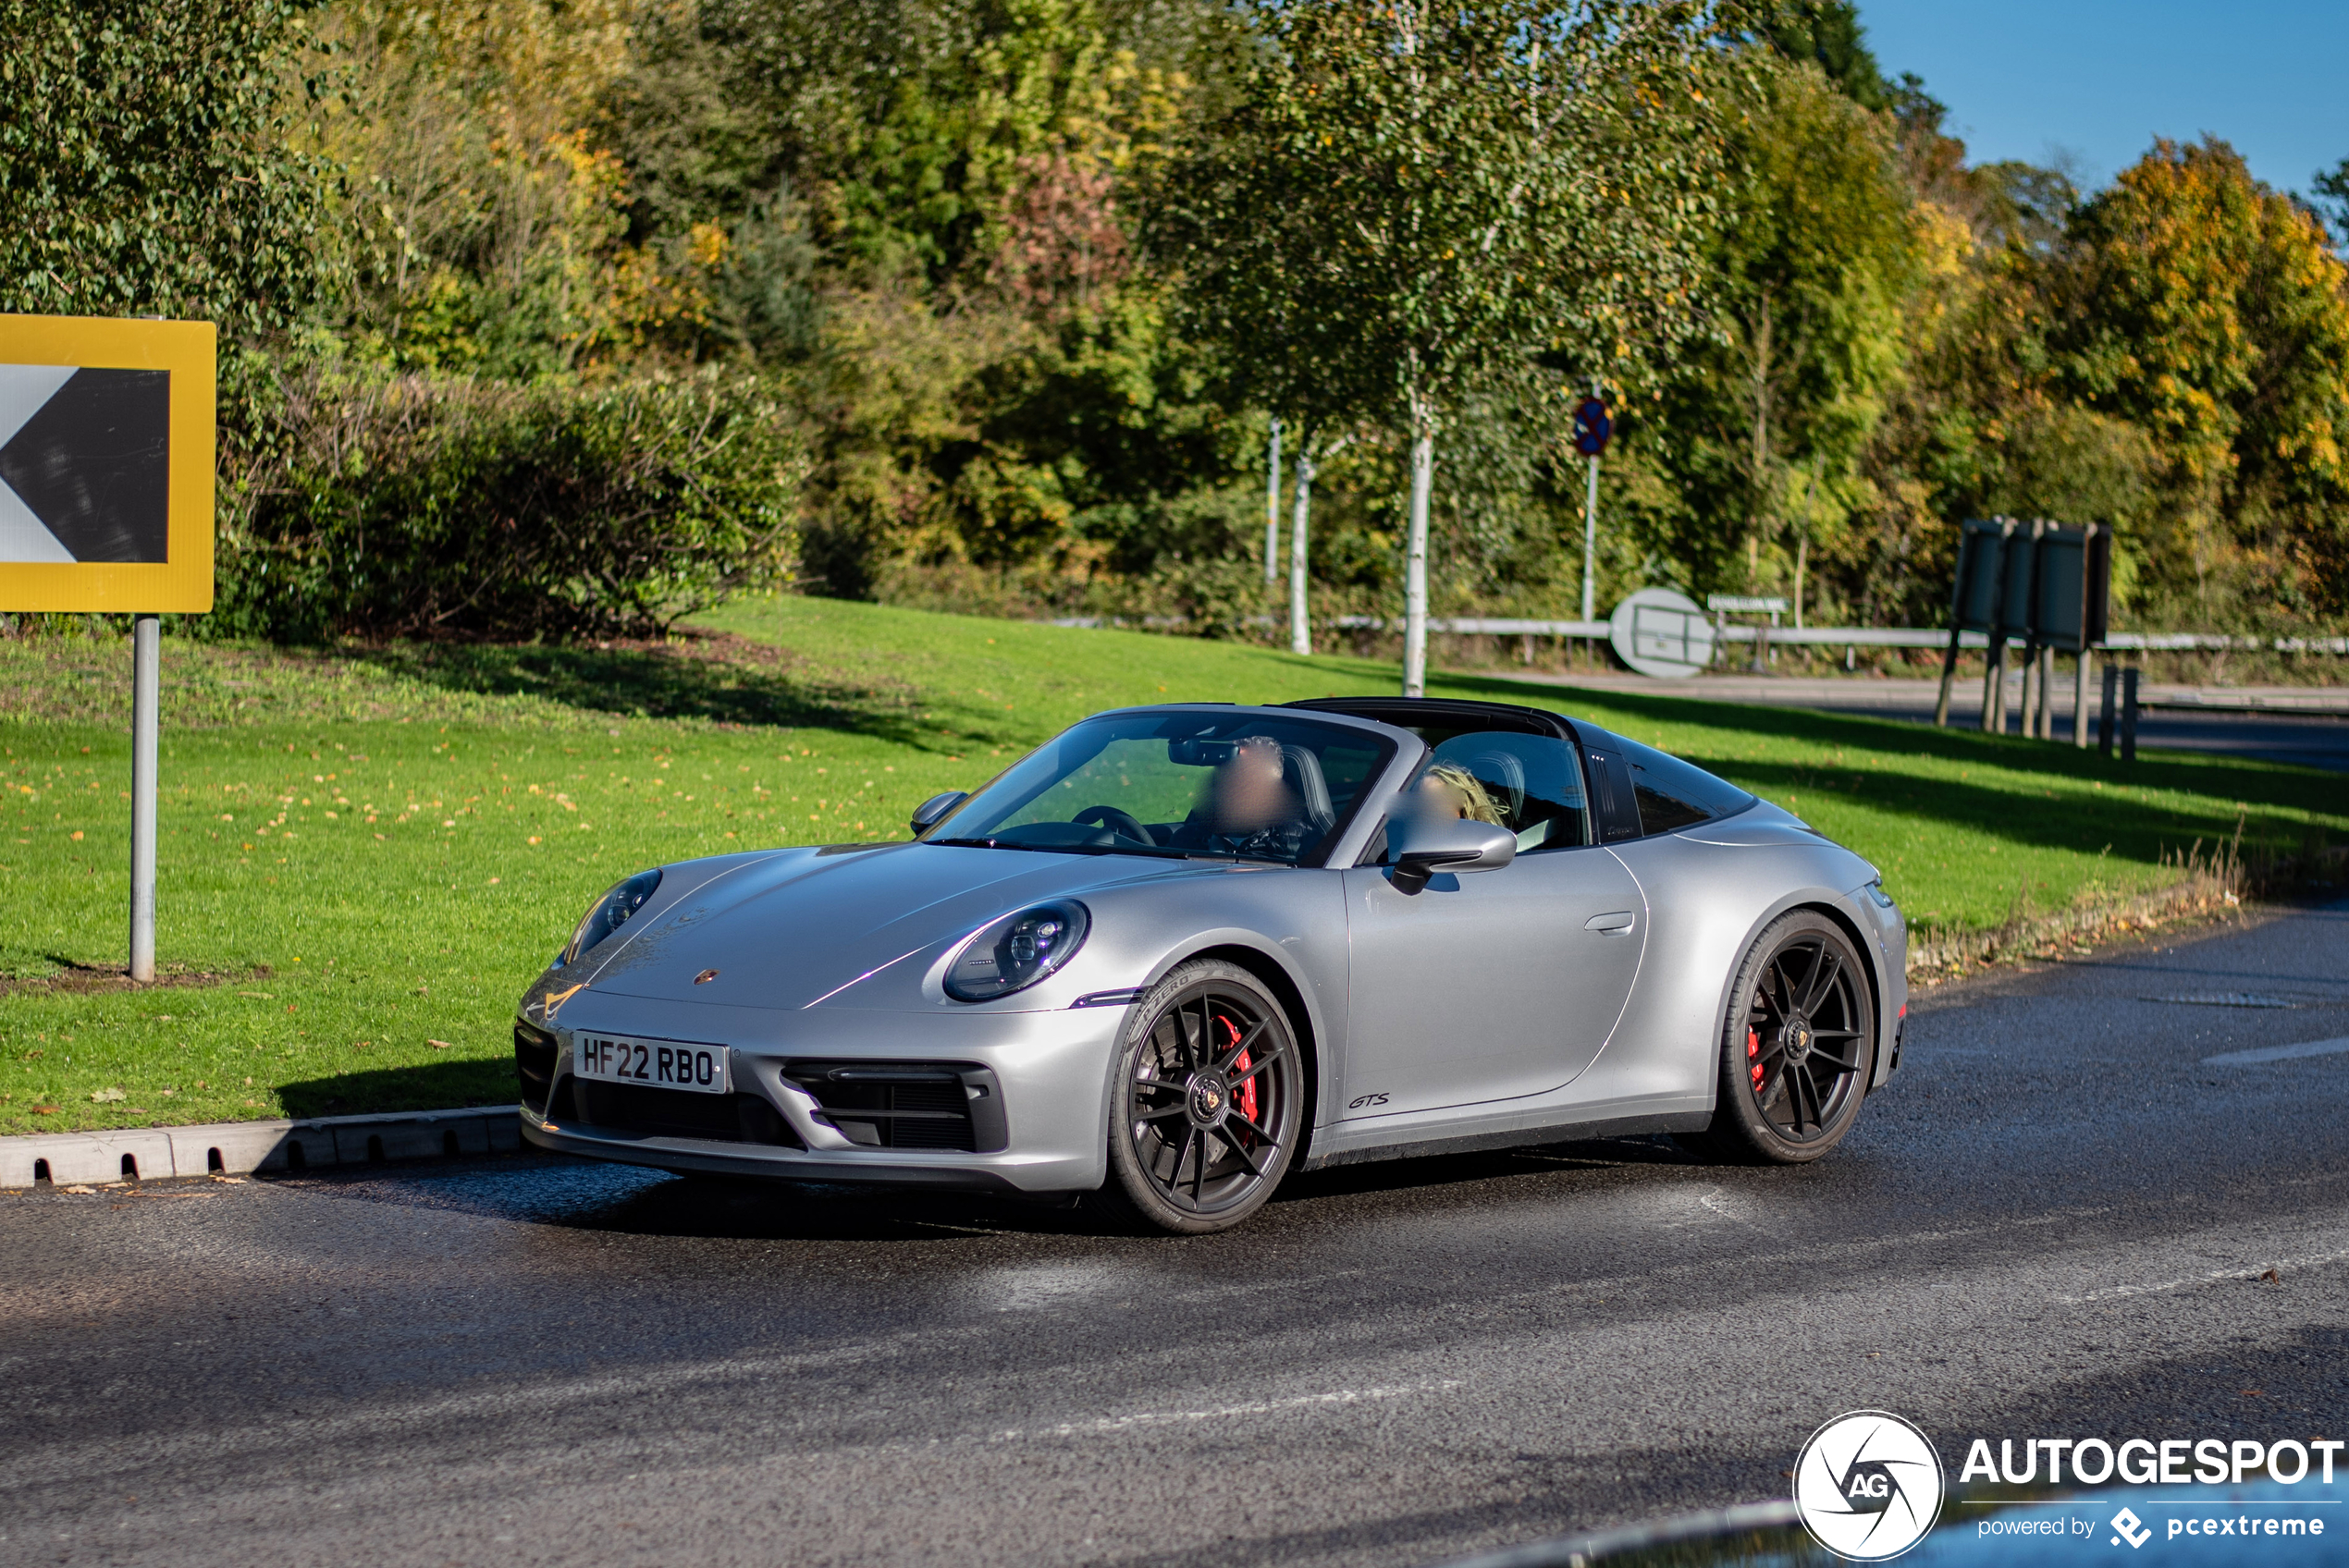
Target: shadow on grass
(427,1086)
(723,678)
(2141,830)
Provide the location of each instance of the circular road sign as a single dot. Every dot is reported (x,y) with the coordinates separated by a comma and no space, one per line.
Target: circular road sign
(1661,633)
(1593,427)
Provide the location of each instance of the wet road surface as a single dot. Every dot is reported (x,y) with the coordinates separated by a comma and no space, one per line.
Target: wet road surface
(2055,1223)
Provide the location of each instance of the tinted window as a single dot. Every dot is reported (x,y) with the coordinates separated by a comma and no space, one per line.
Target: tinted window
(1672,793)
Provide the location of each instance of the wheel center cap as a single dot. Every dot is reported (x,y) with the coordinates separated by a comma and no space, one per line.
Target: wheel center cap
(1209,1098)
(1798,1039)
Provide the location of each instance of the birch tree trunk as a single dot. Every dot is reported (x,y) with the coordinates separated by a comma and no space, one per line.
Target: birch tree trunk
(1273,510)
(1415,561)
(1300,629)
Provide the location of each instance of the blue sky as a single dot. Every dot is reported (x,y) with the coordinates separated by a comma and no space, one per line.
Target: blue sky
(2102,79)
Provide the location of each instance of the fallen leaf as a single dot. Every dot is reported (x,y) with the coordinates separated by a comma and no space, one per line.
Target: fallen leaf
(2272,1278)
(440,1044)
(44,1110)
(77,1189)
(105,1097)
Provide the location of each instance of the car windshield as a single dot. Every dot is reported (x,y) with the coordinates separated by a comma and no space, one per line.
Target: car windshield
(1233,786)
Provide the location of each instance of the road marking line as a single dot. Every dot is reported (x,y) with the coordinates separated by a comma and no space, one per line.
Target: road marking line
(2215,1275)
(1107,1424)
(2279,1053)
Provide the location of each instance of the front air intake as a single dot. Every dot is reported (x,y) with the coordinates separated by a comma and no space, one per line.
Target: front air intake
(534,1066)
(907,1105)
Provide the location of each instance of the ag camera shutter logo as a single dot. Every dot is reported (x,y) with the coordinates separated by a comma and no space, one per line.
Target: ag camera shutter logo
(1868,1486)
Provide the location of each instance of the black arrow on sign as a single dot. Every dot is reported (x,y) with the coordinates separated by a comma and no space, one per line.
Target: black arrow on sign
(94,464)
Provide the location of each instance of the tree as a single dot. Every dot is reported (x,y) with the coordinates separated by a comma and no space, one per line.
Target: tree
(146,165)
(2212,312)
(1763,425)
(1408,199)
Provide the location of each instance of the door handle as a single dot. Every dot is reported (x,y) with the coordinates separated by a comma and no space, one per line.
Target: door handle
(1615,925)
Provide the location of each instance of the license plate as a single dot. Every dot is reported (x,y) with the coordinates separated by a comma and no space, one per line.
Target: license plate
(656,1064)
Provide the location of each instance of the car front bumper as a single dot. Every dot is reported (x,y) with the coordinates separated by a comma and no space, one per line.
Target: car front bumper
(1047,1071)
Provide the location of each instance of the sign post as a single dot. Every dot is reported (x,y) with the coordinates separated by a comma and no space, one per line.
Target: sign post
(1593,428)
(106,431)
(1973,598)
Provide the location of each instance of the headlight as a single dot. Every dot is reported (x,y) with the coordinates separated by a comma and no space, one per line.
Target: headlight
(1018,950)
(610,914)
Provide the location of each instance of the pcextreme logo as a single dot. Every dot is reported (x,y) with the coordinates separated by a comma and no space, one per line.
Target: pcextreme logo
(1868,1486)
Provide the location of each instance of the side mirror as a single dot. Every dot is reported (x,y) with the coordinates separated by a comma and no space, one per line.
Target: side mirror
(937,809)
(1424,846)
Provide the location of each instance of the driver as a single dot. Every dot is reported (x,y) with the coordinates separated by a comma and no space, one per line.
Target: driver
(1251,809)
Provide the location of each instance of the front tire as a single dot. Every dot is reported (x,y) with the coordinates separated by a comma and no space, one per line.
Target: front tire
(1209,1096)
(1797,1048)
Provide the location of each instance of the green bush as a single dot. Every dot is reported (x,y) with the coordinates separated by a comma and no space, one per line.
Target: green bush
(365,504)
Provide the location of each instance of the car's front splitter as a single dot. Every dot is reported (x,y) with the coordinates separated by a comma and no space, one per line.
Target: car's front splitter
(1005,1174)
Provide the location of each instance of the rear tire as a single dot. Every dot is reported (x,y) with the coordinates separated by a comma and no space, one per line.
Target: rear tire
(1796,1049)
(1207,1103)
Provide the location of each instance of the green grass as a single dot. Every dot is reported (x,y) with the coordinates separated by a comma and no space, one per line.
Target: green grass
(345,945)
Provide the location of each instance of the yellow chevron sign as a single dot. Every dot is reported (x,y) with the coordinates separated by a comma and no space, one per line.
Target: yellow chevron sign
(106,431)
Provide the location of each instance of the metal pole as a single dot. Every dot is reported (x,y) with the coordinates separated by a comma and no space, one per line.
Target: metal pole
(2080,668)
(146,682)
(1590,539)
(1948,677)
(2104,720)
(1300,629)
(1993,686)
(2046,692)
(1273,510)
(2129,714)
(1415,560)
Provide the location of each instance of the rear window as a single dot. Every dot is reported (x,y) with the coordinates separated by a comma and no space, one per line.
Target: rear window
(1672,793)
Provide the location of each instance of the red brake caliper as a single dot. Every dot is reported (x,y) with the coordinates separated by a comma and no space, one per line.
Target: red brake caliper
(1754,1049)
(1247,1096)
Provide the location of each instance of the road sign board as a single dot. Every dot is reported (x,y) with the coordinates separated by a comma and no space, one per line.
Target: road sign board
(1661,633)
(2074,587)
(1593,427)
(106,431)
(1982,547)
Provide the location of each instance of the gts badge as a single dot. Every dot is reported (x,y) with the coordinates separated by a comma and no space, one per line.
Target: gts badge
(1362,1101)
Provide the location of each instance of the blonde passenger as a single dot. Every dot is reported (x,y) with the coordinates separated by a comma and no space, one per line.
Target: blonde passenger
(1453,790)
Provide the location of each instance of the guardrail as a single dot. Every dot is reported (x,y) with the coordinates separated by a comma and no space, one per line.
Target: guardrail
(1813,636)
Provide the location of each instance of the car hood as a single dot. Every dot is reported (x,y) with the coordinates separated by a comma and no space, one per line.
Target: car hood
(792,929)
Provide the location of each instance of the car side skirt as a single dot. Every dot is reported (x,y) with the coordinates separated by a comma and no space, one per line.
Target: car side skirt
(1334,1147)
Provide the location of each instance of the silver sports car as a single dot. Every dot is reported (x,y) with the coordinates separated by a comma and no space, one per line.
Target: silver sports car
(1177,952)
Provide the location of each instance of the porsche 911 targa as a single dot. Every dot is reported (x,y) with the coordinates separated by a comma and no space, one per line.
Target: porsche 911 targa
(1177,952)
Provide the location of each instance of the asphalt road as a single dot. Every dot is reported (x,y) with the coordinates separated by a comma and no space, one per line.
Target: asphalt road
(2315,735)
(2053,1223)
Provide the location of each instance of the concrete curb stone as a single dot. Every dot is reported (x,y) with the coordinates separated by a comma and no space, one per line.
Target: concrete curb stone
(237,1148)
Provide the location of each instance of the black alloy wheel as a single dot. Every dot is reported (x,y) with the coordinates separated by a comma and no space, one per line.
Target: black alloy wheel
(1209,1097)
(1797,1047)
